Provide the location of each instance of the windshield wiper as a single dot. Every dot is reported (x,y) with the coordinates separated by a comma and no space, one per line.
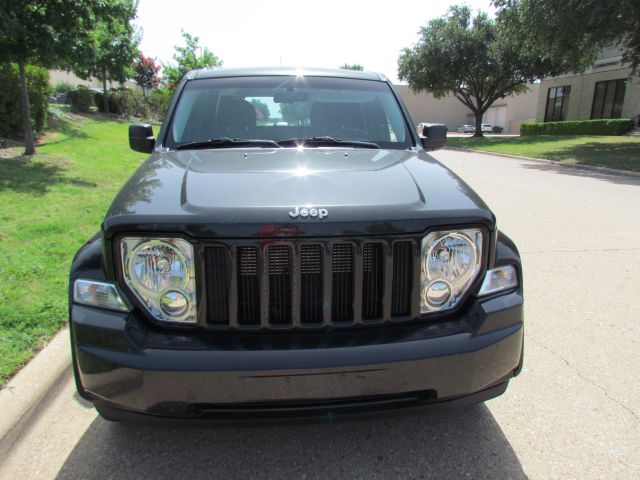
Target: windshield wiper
(226,142)
(326,141)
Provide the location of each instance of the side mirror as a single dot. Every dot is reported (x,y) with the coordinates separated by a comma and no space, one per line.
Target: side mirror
(433,136)
(141,138)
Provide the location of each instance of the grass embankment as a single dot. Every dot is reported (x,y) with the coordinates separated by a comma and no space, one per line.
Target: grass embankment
(601,151)
(49,205)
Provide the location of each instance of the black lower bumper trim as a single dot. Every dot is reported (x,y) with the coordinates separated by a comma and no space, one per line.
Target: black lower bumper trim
(302,413)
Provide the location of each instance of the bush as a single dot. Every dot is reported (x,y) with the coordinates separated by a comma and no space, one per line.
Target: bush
(10,108)
(80,99)
(132,103)
(124,101)
(98,99)
(63,87)
(159,101)
(614,126)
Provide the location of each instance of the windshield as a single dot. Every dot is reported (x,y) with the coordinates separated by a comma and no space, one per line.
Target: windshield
(282,108)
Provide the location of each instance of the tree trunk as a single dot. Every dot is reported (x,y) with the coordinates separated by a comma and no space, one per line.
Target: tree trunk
(29,143)
(478,131)
(105,99)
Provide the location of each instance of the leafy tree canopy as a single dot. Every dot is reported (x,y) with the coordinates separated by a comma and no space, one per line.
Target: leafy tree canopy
(475,59)
(190,57)
(295,113)
(570,32)
(262,110)
(147,73)
(352,66)
(45,32)
(112,46)
(48,33)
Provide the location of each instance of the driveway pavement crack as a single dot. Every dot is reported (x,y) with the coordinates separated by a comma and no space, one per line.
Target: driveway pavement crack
(586,379)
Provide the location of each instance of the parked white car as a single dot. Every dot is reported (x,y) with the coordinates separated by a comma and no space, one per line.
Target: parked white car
(487,128)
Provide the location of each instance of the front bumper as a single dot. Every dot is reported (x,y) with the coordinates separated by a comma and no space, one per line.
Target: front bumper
(124,365)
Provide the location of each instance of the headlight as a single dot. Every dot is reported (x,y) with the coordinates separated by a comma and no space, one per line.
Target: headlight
(450,263)
(160,272)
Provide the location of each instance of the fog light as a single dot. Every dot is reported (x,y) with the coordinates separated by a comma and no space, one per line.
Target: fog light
(99,294)
(174,303)
(499,279)
(437,294)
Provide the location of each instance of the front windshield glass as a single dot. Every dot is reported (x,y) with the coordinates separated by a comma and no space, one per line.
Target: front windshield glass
(288,107)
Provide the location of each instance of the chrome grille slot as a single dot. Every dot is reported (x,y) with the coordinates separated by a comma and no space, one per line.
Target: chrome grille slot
(248,286)
(402,274)
(279,269)
(342,269)
(372,281)
(217,285)
(310,284)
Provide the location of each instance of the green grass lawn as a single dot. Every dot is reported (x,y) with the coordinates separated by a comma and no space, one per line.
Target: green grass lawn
(49,205)
(601,151)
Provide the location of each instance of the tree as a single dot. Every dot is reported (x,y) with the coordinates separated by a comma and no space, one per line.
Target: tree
(352,66)
(475,59)
(147,73)
(190,57)
(111,49)
(262,110)
(45,33)
(295,113)
(570,32)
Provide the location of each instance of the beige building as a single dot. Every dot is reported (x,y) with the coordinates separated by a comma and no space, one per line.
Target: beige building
(508,112)
(57,76)
(605,90)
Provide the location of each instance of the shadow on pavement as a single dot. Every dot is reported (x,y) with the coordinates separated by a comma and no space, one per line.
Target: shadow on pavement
(445,444)
(576,171)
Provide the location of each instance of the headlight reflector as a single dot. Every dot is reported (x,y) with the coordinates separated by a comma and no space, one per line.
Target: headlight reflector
(499,279)
(451,261)
(160,272)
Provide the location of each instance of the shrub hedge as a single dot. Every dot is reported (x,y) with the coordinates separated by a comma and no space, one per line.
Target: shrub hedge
(63,87)
(10,108)
(614,126)
(80,99)
(132,103)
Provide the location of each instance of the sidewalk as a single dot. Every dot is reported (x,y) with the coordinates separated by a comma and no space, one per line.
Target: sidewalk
(21,397)
(592,168)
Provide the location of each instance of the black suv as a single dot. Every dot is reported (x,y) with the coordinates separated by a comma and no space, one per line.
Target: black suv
(289,249)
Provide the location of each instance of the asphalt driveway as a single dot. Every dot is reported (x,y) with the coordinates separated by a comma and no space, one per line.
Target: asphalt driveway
(573,413)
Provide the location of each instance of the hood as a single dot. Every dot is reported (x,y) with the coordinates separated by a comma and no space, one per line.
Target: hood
(250,192)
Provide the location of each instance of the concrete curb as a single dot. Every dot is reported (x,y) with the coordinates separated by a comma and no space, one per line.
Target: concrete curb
(24,392)
(612,171)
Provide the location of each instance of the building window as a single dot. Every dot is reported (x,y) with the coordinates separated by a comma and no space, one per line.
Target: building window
(557,104)
(608,98)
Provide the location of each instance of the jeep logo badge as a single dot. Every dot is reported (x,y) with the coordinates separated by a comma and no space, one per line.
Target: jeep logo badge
(319,213)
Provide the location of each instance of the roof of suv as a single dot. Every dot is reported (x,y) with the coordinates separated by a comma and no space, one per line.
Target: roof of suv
(259,71)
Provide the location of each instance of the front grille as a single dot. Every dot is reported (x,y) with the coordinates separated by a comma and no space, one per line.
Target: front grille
(309,284)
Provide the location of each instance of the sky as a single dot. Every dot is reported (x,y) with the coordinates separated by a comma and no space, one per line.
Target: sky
(320,33)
